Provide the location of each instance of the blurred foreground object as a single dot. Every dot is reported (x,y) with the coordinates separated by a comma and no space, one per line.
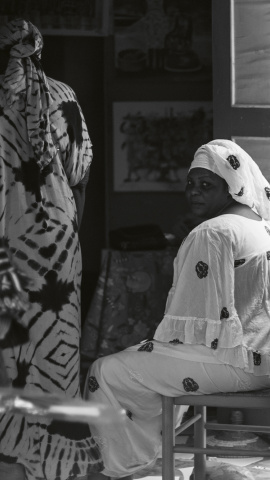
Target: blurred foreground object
(58,407)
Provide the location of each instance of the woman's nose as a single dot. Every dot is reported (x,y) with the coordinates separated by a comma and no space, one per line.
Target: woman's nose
(195,190)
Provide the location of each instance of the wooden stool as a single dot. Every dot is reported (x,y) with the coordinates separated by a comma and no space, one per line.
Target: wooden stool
(259,399)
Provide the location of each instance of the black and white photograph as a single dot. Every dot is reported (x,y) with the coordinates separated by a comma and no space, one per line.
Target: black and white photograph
(134,240)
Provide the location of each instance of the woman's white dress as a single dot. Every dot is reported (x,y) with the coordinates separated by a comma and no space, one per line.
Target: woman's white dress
(214,337)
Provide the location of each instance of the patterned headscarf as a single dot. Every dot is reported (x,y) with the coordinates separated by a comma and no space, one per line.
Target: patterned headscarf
(245,180)
(24,76)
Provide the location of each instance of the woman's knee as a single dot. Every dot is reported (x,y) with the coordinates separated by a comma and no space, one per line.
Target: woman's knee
(106,367)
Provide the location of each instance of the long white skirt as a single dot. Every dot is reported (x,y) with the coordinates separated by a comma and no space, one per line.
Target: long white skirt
(135,379)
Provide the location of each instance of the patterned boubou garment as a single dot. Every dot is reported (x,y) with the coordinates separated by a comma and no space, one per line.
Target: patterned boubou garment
(38,223)
(225,261)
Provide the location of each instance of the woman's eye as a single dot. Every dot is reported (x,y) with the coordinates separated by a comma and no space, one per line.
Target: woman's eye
(202,185)
(206,185)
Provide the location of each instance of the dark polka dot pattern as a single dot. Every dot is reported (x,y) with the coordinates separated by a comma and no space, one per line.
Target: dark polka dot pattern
(224,313)
(129,414)
(233,161)
(146,347)
(267,191)
(240,193)
(214,344)
(93,384)
(175,341)
(257,358)
(239,262)
(201,269)
(190,385)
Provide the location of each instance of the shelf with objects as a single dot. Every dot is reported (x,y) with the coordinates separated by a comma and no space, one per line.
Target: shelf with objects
(162,44)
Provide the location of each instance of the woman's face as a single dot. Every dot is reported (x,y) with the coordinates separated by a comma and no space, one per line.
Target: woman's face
(206,193)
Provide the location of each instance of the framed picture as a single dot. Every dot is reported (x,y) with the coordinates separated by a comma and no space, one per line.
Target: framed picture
(154,143)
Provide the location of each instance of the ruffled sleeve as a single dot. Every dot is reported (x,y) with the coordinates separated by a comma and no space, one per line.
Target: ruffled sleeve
(200,307)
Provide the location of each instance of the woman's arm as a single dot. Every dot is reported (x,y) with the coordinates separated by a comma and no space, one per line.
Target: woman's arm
(79,195)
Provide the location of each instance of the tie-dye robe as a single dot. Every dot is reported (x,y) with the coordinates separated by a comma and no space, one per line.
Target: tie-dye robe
(38,222)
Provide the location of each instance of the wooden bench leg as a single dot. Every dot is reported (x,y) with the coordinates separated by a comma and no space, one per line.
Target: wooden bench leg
(200,441)
(168,438)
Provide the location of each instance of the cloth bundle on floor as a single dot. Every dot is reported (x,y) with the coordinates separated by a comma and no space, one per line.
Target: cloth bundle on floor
(227,472)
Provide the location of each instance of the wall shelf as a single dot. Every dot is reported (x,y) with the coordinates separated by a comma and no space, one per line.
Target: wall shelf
(161,86)
(71,32)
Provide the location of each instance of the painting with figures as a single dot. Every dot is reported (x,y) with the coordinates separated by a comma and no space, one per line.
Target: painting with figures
(154,143)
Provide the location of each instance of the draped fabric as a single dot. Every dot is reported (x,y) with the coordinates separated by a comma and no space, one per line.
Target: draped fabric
(128,302)
(39,225)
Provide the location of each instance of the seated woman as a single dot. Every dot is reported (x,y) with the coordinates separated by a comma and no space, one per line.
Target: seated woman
(215,334)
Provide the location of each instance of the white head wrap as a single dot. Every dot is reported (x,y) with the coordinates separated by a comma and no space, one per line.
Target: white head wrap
(245,180)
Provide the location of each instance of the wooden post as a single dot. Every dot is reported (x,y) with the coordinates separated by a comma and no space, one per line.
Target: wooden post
(168,438)
(200,441)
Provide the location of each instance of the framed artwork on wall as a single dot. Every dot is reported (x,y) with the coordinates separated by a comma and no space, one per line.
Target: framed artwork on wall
(154,143)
